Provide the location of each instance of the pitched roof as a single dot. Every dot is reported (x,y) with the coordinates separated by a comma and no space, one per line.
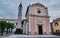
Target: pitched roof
(57,19)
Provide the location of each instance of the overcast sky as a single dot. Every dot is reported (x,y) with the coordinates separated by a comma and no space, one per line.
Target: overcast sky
(9,8)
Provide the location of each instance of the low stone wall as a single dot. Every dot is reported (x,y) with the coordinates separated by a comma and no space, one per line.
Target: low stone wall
(34,36)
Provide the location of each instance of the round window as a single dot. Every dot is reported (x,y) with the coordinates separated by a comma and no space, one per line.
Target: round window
(39,11)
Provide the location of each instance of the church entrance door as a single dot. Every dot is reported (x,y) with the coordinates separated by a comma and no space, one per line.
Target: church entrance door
(40,30)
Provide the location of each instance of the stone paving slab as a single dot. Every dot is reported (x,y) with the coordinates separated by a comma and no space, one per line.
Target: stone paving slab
(30,36)
(3,37)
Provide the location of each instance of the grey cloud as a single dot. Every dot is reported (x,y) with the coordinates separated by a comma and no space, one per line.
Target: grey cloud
(53,8)
(9,8)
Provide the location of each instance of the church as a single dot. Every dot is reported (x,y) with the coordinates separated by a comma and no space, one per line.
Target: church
(36,22)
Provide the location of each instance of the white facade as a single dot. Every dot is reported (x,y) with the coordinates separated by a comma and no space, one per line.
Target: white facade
(35,19)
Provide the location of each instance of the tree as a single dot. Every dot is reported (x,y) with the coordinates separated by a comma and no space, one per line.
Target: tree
(2,26)
(5,25)
(12,26)
(8,26)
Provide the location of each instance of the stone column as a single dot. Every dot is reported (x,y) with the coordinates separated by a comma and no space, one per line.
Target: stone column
(29,27)
(36,28)
(44,27)
(49,28)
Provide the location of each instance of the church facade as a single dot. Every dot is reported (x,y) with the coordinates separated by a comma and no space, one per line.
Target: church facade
(36,22)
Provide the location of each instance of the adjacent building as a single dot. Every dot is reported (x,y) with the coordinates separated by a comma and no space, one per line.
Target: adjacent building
(55,26)
(14,21)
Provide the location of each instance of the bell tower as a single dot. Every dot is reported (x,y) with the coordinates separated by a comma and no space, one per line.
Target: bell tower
(18,27)
(20,11)
(19,15)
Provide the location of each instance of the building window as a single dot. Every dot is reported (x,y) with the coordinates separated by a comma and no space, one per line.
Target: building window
(57,31)
(56,24)
(39,11)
